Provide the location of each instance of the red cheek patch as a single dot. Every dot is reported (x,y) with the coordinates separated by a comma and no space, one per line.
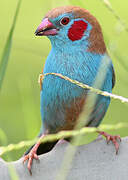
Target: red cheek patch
(77,30)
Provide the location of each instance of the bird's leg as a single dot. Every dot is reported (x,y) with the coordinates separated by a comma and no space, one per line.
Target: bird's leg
(112,138)
(33,154)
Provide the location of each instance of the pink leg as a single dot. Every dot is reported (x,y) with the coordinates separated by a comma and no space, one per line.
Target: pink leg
(32,155)
(109,138)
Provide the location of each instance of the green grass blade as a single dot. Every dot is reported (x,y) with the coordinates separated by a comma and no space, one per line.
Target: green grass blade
(13,174)
(7,48)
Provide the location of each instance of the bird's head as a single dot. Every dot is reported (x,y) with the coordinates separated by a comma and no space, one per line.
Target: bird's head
(72,25)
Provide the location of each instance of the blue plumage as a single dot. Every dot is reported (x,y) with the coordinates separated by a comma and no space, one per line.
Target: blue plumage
(78,52)
(56,91)
(73,60)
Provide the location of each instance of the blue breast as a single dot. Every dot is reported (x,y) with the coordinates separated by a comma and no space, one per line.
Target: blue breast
(56,92)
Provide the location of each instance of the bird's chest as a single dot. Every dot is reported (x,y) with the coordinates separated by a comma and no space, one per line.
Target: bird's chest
(57,90)
(62,101)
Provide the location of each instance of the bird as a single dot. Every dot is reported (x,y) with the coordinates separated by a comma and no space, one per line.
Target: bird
(78,50)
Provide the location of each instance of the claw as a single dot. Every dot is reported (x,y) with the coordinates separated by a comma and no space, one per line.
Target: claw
(118,138)
(114,139)
(25,158)
(32,155)
(36,157)
(108,139)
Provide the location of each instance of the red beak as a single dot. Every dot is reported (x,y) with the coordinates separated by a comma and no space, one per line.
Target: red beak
(46,28)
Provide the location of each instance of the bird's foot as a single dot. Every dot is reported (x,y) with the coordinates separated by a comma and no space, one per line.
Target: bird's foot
(112,138)
(30,156)
(33,153)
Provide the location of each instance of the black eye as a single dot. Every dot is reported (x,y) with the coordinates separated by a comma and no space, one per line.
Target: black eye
(64,21)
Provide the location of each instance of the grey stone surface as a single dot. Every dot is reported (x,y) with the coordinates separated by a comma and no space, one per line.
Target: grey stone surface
(95,161)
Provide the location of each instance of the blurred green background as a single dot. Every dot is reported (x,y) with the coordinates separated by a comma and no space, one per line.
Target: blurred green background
(20,95)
